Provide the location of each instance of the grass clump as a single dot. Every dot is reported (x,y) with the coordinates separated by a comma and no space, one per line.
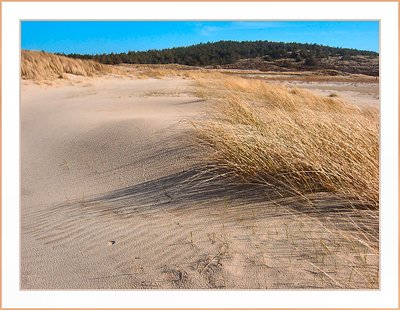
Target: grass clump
(40,66)
(291,139)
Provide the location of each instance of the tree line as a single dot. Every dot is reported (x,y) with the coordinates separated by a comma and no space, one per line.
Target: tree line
(227,52)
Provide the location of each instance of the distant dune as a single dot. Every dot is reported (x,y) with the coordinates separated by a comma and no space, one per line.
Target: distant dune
(45,66)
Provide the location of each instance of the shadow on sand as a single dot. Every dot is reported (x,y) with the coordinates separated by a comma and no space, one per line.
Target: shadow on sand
(205,188)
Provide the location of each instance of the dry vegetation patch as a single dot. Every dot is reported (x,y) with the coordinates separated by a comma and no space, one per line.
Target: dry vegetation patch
(290,139)
(40,66)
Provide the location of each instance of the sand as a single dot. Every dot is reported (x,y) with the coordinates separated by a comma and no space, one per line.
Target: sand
(361,90)
(113,197)
(359,93)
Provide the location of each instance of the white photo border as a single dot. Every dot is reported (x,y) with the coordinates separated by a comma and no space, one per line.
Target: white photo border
(385,12)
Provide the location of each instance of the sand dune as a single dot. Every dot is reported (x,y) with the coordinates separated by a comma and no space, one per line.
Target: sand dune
(114,196)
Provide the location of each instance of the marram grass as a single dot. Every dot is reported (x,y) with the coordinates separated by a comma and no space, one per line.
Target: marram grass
(40,66)
(291,139)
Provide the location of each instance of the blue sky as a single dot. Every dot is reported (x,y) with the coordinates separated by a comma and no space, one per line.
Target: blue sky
(95,37)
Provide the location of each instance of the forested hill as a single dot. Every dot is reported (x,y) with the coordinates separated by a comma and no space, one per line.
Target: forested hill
(224,53)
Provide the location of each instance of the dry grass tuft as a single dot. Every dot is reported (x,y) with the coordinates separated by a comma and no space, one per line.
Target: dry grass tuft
(152,71)
(40,66)
(290,139)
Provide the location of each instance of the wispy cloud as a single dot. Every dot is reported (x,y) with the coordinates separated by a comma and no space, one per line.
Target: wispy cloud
(207,30)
